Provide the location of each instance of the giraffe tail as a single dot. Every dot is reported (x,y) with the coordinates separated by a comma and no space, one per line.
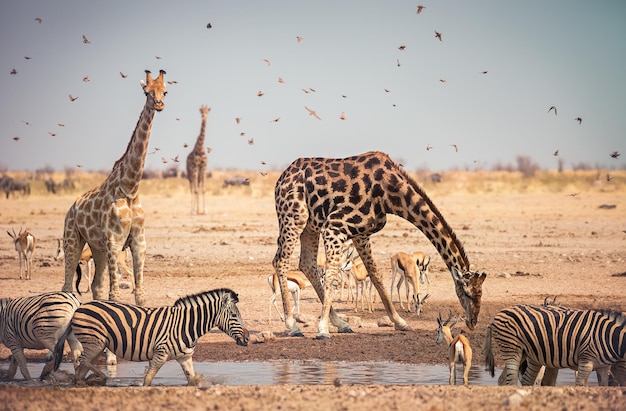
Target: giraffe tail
(79,275)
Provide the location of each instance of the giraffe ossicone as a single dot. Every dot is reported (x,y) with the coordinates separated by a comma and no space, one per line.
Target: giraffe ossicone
(110,217)
(349,198)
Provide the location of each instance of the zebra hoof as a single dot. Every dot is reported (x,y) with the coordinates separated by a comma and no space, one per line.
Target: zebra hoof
(322,336)
(346,330)
(296,333)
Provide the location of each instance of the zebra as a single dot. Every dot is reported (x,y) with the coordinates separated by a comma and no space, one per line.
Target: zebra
(557,337)
(156,335)
(38,322)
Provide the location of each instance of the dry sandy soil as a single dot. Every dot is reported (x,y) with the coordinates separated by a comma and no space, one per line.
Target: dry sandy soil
(532,245)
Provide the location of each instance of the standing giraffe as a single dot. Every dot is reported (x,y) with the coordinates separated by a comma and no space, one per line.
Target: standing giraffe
(196,167)
(350,198)
(110,217)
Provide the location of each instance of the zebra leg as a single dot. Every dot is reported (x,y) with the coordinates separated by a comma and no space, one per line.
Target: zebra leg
(584,370)
(111,358)
(603,376)
(91,350)
(530,374)
(186,363)
(155,364)
(18,359)
(549,377)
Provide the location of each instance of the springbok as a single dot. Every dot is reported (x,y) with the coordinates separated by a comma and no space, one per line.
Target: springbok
(296,282)
(459,349)
(25,244)
(362,281)
(407,266)
(86,257)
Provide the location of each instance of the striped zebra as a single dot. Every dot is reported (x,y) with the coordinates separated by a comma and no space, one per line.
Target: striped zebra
(156,335)
(556,337)
(38,322)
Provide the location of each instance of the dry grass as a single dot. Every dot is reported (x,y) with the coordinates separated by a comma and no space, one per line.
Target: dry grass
(476,182)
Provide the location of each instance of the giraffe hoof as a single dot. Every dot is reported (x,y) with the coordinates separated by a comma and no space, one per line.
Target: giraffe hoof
(346,330)
(403,327)
(322,336)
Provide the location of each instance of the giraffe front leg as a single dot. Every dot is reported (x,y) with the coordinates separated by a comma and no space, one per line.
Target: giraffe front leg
(138,251)
(100,266)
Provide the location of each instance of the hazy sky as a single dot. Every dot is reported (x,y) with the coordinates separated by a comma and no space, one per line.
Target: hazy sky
(537,54)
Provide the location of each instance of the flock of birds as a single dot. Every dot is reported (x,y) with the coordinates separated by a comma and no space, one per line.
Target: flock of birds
(420,9)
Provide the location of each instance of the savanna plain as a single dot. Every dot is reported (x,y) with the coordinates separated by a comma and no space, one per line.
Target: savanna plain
(552,235)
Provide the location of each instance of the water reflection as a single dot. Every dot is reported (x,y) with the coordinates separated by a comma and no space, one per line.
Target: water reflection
(298,372)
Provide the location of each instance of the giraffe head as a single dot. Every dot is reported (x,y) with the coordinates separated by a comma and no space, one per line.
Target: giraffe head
(469,290)
(155,90)
(204,111)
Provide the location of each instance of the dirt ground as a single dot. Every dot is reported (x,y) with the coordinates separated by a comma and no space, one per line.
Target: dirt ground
(531,245)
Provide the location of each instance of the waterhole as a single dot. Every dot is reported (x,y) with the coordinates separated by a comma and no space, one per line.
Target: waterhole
(296,372)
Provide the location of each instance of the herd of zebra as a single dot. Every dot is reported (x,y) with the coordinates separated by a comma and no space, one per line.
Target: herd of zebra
(128,331)
(530,338)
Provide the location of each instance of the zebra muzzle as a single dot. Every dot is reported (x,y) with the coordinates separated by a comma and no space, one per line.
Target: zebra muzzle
(243,338)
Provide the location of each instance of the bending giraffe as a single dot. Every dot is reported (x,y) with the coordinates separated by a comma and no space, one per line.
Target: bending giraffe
(342,199)
(110,217)
(196,167)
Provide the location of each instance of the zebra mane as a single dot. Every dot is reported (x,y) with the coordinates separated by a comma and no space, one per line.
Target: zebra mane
(613,315)
(193,298)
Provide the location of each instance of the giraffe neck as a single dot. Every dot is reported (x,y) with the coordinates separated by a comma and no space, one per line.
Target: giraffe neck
(410,202)
(199,147)
(127,171)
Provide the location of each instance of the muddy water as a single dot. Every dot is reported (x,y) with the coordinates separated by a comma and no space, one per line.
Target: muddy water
(299,372)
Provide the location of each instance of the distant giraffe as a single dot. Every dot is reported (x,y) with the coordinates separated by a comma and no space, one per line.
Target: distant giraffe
(196,167)
(350,198)
(110,216)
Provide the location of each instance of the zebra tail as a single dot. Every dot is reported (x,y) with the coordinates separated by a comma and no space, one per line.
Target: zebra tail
(489,361)
(58,348)
(79,275)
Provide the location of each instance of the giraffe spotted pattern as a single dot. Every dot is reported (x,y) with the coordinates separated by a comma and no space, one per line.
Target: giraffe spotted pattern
(349,198)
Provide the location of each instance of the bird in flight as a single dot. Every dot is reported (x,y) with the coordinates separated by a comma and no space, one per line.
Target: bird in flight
(267,61)
(442,80)
(175,159)
(27,57)
(276,120)
(456,149)
(251,141)
(124,75)
(281,80)
(209,25)
(615,154)
(398,62)
(260,93)
(52,134)
(573,194)
(61,125)
(172,82)
(72,98)
(608,177)
(13,72)
(438,35)
(556,153)
(420,9)
(17,139)
(580,120)
(342,116)
(39,20)
(402,47)
(238,120)
(209,149)
(484,72)
(312,113)
(85,40)
(552,108)
(299,39)
(164,160)
(86,79)
(429,147)
(157,57)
